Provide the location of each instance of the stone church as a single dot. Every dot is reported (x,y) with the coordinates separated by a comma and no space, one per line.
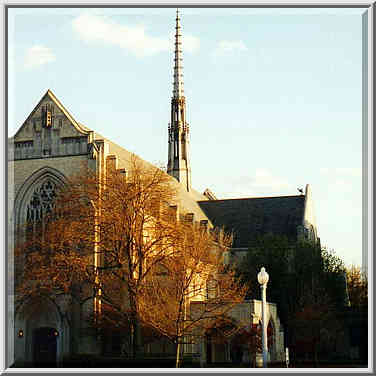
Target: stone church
(44,153)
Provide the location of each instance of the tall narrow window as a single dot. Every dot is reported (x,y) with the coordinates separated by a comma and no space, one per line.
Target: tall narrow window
(175,149)
(40,205)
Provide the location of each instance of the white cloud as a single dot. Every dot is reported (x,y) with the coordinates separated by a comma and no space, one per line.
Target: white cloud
(262,183)
(38,55)
(94,28)
(225,47)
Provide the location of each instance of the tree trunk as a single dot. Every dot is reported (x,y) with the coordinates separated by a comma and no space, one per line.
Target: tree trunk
(134,326)
(135,337)
(132,340)
(178,354)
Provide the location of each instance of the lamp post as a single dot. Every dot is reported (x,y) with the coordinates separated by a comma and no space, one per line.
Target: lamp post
(263,278)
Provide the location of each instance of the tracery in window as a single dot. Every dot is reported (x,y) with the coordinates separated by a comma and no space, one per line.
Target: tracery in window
(40,205)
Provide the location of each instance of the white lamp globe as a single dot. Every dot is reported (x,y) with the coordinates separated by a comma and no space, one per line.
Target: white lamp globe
(263,277)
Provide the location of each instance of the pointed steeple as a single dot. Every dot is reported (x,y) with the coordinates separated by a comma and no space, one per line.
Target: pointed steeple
(178,90)
(178,131)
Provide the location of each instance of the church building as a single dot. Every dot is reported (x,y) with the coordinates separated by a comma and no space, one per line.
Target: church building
(44,153)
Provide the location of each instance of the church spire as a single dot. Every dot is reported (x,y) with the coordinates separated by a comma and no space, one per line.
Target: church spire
(178,90)
(178,131)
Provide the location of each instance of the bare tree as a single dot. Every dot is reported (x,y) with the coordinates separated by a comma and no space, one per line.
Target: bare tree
(112,240)
(104,239)
(98,238)
(191,289)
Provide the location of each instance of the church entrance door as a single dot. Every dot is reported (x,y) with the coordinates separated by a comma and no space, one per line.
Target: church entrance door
(44,347)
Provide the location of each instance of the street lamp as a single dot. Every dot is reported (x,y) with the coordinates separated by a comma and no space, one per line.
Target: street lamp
(263,278)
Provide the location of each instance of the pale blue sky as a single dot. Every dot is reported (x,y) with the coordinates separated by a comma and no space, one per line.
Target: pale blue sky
(273,95)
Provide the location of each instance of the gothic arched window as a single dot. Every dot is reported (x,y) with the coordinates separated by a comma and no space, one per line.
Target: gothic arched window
(40,205)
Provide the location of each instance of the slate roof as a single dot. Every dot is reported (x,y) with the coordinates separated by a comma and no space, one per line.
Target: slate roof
(250,216)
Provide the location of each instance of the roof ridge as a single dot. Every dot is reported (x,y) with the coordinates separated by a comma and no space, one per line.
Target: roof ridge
(252,198)
(54,98)
(66,112)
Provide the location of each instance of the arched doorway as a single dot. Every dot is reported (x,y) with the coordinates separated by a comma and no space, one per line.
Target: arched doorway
(218,338)
(44,347)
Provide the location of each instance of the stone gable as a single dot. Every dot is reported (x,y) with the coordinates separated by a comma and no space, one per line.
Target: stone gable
(49,131)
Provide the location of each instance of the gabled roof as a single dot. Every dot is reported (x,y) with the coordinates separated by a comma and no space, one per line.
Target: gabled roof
(51,95)
(248,217)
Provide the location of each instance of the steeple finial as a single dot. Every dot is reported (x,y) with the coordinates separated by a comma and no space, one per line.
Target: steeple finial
(178,90)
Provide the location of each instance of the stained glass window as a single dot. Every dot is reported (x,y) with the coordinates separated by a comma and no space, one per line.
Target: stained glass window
(41,204)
